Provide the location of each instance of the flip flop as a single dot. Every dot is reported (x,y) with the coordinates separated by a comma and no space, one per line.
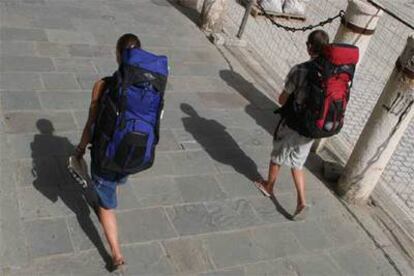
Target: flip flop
(260,187)
(79,171)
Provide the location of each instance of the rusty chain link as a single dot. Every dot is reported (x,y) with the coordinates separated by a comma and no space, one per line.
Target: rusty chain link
(303,29)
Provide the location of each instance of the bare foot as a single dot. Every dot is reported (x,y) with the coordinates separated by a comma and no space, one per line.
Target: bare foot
(118,263)
(301,212)
(263,186)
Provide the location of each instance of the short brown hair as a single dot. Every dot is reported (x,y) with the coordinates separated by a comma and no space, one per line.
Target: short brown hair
(317,40)
(127,41)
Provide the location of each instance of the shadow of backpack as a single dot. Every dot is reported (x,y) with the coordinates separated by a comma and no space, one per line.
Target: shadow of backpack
(126,130)
(330,79)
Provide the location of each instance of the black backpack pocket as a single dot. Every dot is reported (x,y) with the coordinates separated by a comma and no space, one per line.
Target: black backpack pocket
(107,118)
(131,150)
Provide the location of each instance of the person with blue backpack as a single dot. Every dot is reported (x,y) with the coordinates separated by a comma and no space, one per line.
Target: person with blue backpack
(123,128)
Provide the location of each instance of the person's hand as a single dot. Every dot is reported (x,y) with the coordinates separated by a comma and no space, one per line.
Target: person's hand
(79,151)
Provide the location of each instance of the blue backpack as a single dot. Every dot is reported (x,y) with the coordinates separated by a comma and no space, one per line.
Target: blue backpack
(126,130)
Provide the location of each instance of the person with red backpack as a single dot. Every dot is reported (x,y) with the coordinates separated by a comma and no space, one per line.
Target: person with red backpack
(313,102)
(122,129)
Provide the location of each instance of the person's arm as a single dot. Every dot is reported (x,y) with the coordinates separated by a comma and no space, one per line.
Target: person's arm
(283,97)
(86,137)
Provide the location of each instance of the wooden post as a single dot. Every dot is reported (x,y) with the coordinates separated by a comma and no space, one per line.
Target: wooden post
(357,28)
(383,131)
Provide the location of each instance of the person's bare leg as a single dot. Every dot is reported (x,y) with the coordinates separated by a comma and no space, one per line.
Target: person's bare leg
(271,178)
(299,179)
(110,227)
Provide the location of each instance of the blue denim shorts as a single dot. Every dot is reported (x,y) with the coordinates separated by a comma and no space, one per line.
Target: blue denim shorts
(105,186)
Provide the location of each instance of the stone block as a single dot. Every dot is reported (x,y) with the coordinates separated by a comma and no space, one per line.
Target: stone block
(106,66)
(232,249)
(229,215)
(357,261)
(278,267)
(60,81)
(226,272)
(83,263)
(199,188)
(191,219)
(48,202)
(18,100)
(53,22)
(187,255)
(156,191)
(86,50)
(49,49)
(311,236)
(222,100)
(9,34)
(342,230)
(65,100)
(12,246)
(74,65)
(47,237)
(70,37)
(236,185)
(315,265)
(20,81)
(19,122)
(17,48)
(268,211)
(276,241)
(167,141)
(192,163)
(86,232)
(87,81)
(126,197)
(144,225)
(27,64)
(146,259)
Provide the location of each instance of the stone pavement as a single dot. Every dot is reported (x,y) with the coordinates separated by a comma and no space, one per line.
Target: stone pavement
(195,212)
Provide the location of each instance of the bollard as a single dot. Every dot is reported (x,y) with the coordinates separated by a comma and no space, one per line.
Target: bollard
(212,15)
(357,27)
(384,129)
(245,18)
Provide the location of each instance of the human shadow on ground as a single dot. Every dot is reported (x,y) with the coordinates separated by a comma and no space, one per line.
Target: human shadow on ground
(49,158)
(190,13)
(260,108)
(221,146)
(218,143)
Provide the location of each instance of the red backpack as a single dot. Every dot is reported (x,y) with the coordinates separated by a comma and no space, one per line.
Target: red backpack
(329,79)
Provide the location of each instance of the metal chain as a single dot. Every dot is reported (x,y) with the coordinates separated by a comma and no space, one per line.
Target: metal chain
(303,29)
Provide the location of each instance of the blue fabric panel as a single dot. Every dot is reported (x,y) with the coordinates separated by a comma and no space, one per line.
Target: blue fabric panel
(146,60)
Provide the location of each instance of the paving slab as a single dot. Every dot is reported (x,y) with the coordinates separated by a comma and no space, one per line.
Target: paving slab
(19,100)
(17,34)
(59,81)
(47,237)
(144,225)
(188,255)
(235,248)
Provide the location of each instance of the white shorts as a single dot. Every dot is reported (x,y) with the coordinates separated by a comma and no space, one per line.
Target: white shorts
(289,147)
